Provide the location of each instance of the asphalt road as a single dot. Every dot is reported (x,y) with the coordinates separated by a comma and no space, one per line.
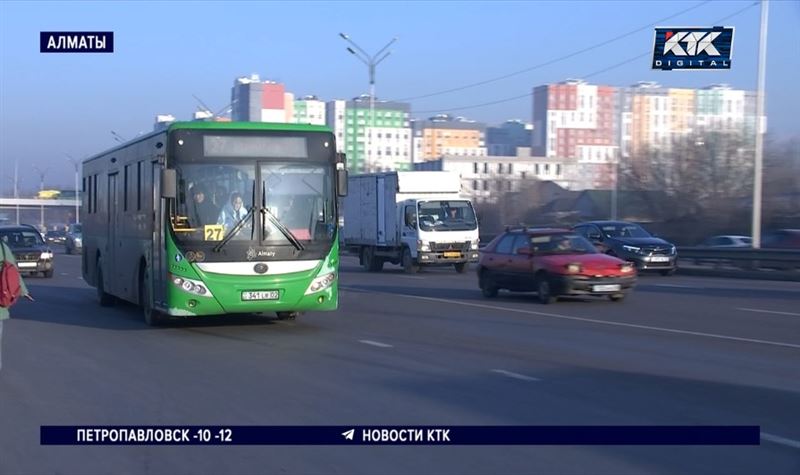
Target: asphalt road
(422,349)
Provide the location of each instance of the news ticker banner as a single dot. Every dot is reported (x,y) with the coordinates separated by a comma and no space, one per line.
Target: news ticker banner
(400,435)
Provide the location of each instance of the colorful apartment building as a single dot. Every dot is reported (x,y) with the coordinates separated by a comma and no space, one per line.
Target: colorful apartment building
(446,135)
(254,100)
(372,142)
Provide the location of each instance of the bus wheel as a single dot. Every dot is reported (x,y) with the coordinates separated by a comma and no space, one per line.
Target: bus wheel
(152,317)
(287,315)
(106,299)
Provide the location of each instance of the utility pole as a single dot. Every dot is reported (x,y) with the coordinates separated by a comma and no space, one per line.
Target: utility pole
(76,164)
(759,158)
(42,174)
(372,62)
(16,187)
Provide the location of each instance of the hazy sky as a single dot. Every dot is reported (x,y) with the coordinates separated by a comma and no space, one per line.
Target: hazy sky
(56,104)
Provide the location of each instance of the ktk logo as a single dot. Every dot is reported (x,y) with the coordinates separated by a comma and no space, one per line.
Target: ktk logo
(693,48)
(696,43)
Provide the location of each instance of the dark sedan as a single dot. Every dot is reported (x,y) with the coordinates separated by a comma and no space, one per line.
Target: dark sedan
(32,254)
(55,237)
(632,243)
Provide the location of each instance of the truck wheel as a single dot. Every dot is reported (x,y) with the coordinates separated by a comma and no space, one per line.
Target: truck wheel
(370,261)
(461,267)
(409,265)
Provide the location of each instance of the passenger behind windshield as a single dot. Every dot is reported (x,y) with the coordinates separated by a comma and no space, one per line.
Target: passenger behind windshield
(625,231)
(562,244)
(202,210)
(232,213)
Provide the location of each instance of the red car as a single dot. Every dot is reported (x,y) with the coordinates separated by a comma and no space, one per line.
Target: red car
(551,262)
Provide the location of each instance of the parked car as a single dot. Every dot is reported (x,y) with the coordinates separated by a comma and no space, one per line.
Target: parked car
(55,237)
(552,263)
(74,240)
(781,239)
(632,243)
(31,252)
(728,241)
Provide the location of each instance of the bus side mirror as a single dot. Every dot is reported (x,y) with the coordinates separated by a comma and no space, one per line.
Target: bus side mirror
(169,183)
(341,182)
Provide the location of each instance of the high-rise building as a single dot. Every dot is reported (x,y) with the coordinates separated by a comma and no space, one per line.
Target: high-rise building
(372,143)
(309,110)
(654,118)
(596,125)
(446,135)
(254,100)
(505,139)
(576,120)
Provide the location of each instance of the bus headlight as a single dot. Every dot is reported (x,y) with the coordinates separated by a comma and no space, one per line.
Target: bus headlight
(321,283)
(192,286)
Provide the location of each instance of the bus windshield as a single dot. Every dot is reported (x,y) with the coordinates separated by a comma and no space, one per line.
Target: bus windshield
(292,202)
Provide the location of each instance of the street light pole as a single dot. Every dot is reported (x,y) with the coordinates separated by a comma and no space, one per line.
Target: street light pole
(372,62)
(16,187)
(76,164)
(42,174)
(759,158)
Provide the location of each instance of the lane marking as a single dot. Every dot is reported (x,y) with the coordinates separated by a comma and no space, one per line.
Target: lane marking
(768,311)
(591,320)
(795,444)
(63,273)
(511,374)
(375,343)
(677,286)
(410,277)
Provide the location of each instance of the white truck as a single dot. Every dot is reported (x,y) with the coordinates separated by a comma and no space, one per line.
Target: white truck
(414,219)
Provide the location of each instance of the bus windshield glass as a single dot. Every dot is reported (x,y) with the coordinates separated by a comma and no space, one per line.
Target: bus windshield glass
(452,215)
(217,201)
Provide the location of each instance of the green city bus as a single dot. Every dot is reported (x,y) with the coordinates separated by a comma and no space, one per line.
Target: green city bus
(215,218)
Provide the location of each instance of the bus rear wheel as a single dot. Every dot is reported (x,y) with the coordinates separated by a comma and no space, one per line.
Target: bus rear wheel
(288,315)
(106,299)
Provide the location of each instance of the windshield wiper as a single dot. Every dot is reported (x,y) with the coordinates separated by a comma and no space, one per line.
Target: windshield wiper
(236,228)
(283,229)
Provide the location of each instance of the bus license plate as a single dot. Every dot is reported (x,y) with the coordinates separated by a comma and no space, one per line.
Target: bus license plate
(452,254)
(261,295)
(605,288)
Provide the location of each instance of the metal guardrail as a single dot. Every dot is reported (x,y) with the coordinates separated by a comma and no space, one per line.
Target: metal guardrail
(745,259)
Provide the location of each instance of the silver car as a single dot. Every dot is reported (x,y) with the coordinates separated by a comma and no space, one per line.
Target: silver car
(73,244)
(728,241)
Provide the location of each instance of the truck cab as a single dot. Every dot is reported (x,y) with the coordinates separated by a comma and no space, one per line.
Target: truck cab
(439,232)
